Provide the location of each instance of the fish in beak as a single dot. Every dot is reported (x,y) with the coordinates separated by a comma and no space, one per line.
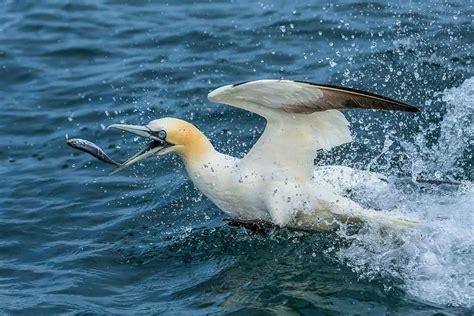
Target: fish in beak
(155,147)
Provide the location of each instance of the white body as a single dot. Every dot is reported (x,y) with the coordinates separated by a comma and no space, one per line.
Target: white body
(247,193)
(277,180)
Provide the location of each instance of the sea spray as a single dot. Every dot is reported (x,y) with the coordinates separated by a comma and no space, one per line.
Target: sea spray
(434,261)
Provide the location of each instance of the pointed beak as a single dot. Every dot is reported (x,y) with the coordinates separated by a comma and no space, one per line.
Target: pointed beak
(156,146)
(135,129)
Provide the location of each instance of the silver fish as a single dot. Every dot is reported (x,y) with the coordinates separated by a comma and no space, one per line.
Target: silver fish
(92,149)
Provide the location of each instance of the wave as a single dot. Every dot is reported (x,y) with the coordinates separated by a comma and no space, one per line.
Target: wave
(435,260)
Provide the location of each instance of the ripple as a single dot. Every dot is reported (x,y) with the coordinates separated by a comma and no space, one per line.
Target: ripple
(77,52)
(74,240)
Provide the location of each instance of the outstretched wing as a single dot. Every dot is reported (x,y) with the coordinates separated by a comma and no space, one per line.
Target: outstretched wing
(300,97)
(301,118)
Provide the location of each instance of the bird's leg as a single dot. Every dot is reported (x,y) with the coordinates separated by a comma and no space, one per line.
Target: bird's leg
(256,226)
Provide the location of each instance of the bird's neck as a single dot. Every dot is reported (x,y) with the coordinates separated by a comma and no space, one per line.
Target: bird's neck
(196,147)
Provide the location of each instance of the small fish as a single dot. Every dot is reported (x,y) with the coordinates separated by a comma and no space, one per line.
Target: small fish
(92,149)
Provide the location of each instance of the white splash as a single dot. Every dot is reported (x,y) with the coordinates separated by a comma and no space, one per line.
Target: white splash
(456,134)
(434,261)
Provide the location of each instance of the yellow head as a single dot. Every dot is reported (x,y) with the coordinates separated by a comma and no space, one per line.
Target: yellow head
(169,135)
(185,138)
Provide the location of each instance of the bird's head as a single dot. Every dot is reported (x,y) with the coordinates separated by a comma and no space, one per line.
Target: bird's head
(168,135)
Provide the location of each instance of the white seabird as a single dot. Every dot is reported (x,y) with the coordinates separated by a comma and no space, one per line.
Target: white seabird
(277,181)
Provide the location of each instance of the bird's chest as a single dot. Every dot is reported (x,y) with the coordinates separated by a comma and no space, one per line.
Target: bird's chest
(238,196)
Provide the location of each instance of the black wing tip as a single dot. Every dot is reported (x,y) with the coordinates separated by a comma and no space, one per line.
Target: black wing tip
(239,83)
(412,109)
(401,106)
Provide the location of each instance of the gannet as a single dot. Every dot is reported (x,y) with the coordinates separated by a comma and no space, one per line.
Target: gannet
(276,181)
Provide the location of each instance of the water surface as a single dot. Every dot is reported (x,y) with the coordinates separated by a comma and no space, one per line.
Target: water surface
(73,239)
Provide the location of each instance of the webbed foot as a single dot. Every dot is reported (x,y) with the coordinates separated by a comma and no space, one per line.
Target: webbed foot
(256,226)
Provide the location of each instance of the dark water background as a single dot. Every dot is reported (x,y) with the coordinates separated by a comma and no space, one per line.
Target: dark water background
(73,239)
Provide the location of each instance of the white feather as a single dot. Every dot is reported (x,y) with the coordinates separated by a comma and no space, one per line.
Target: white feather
(289,143)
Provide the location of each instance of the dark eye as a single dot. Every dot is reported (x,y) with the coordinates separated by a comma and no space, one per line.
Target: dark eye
(162,134)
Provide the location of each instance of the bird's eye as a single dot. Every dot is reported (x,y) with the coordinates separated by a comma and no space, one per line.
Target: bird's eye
(162,134)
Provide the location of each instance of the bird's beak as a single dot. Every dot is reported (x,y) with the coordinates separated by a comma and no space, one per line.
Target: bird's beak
(156,146)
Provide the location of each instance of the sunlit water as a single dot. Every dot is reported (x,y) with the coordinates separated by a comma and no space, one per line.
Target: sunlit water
(73,239)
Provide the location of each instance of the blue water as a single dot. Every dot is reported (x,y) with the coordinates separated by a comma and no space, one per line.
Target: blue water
(144,241)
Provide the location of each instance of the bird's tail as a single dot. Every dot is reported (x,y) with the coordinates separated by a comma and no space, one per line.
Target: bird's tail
(388,219)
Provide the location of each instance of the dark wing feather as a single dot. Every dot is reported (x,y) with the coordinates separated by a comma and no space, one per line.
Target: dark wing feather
(301,97)
(339,98)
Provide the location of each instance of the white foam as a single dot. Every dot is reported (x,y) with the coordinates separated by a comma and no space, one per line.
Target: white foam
(435,260)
